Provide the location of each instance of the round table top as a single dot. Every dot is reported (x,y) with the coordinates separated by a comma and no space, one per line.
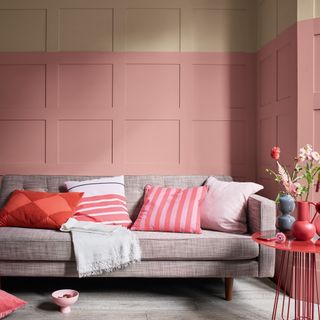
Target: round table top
(311,246)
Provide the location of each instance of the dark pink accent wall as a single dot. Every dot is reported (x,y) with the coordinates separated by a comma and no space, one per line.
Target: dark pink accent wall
(128,113)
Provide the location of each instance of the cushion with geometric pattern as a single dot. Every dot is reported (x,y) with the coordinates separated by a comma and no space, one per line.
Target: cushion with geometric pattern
(33,209)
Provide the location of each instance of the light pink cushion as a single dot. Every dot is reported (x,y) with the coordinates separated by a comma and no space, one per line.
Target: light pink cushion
(170,209)
(9,303)
(224,208)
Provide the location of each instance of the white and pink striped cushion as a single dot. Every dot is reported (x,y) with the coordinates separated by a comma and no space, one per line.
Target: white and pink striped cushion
(170,209)
(103,201)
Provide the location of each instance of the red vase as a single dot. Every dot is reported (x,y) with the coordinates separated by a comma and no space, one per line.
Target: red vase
(303,229)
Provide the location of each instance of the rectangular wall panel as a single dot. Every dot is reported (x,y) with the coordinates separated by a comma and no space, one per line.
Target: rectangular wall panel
(22,29)
(286,71)
(22,142)
(219,143)
(152,29)
(85,87)
(222,30)
(219,86)
(316,41)
(152,89)
(85,141)
(22,86)
(152,141)
(86,29)
(268,139)
(267,80)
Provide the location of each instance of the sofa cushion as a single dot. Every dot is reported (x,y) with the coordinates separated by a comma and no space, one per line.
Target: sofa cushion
(50,245)
(134,185)
(103,201)
(33,209)
(170,209)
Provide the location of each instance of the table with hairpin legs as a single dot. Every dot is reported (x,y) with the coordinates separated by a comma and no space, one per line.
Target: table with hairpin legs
(297,279)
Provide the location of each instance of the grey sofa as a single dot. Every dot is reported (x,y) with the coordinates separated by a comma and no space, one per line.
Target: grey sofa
(40,252)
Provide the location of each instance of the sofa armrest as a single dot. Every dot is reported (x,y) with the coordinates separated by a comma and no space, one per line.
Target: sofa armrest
(262,217)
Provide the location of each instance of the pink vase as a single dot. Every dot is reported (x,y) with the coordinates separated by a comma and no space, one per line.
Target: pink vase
(303,229)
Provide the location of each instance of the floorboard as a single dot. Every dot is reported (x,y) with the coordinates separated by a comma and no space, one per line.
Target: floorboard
(144,299)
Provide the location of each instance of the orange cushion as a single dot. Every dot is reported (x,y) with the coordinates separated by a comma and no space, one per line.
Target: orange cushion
(32,209)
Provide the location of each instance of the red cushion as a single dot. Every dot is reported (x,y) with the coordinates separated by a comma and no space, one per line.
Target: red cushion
(9,303)
(38,209)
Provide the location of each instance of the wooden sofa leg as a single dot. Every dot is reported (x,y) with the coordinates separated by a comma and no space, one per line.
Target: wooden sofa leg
(228,285)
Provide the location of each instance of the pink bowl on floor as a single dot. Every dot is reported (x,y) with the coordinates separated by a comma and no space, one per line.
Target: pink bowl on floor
(65,298)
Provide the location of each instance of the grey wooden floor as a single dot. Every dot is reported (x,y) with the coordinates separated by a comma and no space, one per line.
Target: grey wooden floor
(144,299)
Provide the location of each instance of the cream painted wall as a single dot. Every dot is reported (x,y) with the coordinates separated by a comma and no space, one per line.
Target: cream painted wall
(274,16)
(308,9)
(128,25)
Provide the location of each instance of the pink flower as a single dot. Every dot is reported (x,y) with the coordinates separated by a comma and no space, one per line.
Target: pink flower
(315,156)
(280,237)
(275,153)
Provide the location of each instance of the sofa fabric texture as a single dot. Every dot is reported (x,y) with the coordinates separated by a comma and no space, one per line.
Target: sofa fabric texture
(49,245)
(39,252)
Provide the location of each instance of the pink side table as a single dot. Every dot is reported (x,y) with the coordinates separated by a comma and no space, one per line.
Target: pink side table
(298,273)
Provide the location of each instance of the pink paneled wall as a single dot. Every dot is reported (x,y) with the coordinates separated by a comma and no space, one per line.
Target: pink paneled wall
(129,113)
(276,104)
(309,84)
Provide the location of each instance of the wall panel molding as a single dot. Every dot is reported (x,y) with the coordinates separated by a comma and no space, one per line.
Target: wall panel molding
(128,25)
(111,113)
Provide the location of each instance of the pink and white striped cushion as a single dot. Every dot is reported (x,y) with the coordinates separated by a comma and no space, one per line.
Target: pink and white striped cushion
(170,209)
(103,201)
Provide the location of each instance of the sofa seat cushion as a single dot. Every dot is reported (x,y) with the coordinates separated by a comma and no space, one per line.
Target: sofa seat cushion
(24,244)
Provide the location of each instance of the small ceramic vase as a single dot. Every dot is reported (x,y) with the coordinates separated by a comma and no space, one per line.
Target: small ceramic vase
(303,229)
(285,220)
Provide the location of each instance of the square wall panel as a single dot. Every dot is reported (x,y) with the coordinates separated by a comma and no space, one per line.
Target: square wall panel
(152,141)
(23,30)
(85,87)
(22,86)
(151,89)
(22,141)
(152,30)
(219,86)
(218,142)
(85,141)
(86,29)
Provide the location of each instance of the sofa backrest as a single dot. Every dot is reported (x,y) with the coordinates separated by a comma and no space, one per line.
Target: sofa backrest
(134,185)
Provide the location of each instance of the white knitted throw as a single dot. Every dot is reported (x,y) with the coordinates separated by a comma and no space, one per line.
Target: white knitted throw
(101,248)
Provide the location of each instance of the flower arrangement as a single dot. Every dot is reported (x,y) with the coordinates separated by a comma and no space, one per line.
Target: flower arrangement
(306,169)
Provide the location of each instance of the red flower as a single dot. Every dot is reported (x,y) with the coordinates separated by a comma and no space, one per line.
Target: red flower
(275,153)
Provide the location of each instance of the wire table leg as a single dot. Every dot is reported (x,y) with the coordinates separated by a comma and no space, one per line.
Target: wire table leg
(298,274)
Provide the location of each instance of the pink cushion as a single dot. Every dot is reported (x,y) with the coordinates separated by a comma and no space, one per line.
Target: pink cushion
(170,209)
(103,201)
(9,303)
(224,206)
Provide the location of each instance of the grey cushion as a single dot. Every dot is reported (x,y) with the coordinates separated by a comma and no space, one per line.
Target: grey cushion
(50,245)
